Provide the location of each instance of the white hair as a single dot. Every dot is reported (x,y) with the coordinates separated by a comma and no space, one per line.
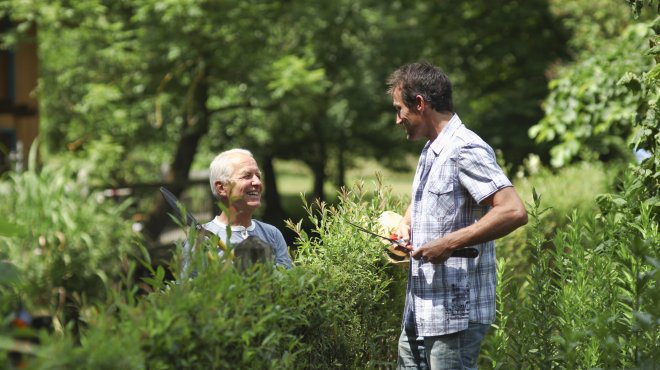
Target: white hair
(222,168)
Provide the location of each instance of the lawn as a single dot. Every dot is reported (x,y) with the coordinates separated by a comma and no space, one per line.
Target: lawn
(294,178)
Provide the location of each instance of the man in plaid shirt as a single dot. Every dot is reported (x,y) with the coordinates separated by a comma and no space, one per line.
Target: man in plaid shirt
(460,198)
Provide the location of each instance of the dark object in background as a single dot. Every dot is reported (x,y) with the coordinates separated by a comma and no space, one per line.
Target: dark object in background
(253,250)
(25,335)
(187,219)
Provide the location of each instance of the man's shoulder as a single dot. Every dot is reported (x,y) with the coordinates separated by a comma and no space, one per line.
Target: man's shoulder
(266,226)
(468,136)
(467,141)
(212,227)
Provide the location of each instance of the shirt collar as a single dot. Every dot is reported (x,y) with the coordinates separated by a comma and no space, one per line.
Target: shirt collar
(446,134)
(235,227)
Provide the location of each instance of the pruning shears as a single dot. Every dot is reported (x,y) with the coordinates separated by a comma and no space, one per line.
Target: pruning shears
(188,219)
(394,239)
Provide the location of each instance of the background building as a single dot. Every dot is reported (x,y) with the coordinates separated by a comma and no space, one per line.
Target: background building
(19,113)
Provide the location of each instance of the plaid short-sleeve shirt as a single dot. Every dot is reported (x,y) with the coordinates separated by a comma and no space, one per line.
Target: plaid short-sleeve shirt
(455,173)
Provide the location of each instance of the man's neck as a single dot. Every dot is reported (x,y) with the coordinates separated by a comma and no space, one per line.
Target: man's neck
(235,219)
(438,121)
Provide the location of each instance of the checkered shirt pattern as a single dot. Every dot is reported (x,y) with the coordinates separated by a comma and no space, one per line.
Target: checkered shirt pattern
(455,172)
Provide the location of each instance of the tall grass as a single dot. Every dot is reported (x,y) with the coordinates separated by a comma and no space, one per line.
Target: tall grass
(573,189)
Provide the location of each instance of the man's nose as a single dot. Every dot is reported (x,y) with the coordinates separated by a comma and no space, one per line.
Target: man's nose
(256,180)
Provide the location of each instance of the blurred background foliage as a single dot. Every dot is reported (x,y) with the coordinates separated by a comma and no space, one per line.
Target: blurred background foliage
(157,88)
(176,82)
(142,93)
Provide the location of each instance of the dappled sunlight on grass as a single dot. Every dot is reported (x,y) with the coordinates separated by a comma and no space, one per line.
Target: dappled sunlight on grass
(294,178)
(574,187)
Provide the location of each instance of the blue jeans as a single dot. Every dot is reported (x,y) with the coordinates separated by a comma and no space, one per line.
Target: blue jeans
(452,351)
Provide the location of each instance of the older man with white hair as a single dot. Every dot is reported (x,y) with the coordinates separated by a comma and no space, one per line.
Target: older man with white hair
(235,181)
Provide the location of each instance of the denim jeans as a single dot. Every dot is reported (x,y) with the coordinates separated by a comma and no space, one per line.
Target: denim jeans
(452,351)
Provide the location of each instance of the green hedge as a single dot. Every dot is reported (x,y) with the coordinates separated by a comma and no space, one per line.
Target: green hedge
(340,306)
(587,299)
(65,242)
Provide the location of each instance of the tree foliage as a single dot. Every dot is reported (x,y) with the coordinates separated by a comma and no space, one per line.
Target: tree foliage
(589,112)
(133,85)
(497,54)
(275,76)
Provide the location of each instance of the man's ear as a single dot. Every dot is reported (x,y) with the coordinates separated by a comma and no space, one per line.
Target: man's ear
(420,103)
(221,189)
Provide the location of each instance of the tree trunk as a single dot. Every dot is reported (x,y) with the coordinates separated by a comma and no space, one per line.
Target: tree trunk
(197,126)
(341,162)
(319,180)
(274,213)
(318,168)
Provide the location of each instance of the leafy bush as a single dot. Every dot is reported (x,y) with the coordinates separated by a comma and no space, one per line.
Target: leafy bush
(568,190)
(592,297)
(67,244)
(339,306)
(589,300)
(366,284)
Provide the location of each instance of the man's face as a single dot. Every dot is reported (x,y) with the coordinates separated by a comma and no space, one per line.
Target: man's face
(409,119)
(245,188)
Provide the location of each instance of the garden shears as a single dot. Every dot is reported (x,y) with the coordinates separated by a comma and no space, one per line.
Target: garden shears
(394,239)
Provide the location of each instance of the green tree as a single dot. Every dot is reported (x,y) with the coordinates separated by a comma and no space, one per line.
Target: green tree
(497,54)
(159,81)
(137,84)
(329,89)
(589,112)
(151,76)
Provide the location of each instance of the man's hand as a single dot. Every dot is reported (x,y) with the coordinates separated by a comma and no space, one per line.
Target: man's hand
(435,251)
(403,232)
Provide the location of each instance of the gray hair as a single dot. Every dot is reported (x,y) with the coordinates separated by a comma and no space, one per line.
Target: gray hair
(221,168)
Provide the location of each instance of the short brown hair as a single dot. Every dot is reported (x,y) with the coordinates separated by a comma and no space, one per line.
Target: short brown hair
(422,79)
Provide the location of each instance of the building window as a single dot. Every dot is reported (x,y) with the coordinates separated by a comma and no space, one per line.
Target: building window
(7,148)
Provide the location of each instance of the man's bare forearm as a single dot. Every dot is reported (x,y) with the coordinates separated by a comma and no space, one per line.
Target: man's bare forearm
(508,213)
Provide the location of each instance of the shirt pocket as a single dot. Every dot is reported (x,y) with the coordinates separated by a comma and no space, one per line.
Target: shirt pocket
(440,202)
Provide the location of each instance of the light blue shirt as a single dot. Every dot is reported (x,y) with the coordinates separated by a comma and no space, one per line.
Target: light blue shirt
(266,232)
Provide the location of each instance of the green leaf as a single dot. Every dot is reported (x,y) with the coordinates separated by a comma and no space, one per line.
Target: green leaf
(9,273)
(654,73)
(654,50)
(631,81)
(10,229)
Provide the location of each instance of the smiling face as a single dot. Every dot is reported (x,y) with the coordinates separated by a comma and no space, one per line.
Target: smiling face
(243,191)
(410,119)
